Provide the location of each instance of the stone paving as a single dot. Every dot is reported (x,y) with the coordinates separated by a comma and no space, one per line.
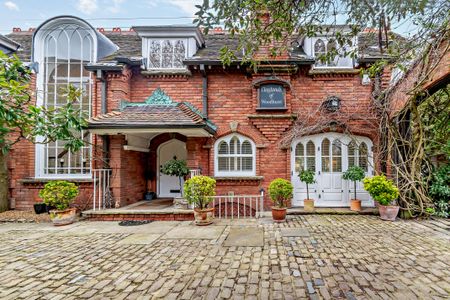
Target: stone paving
(309,257)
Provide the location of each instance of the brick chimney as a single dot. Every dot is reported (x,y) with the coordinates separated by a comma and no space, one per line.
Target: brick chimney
(265,51)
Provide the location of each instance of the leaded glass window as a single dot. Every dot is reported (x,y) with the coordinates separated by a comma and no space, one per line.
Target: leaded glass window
(166,53)
(67,48)
(235,156)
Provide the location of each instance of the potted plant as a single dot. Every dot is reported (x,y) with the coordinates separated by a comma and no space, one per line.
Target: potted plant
(307,176)
(60,194)
(178,168)
(384,192)
(355,174)
(280,191)
(199,191)
(40,208)
(149,194)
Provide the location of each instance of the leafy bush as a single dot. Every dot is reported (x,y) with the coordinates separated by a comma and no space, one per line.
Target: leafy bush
(307,176)
(381,189)
(59,194)
(176,168)
(440,191)
(280,191)
(354,173)
(199,191)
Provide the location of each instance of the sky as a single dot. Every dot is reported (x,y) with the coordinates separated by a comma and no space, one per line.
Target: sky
(105,13)
(100,13)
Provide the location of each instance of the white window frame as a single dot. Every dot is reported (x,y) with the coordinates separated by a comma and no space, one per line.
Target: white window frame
(309,47)
(147,46)
(39,57)
(227,139)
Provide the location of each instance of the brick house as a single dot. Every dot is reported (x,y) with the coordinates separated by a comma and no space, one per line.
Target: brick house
(157,92)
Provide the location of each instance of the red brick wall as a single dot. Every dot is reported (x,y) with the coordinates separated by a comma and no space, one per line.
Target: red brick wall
(232,98)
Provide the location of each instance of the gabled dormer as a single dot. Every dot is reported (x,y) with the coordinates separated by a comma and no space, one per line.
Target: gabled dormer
(165,47)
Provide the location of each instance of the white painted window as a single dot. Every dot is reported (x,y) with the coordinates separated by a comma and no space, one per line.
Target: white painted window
(319,46)
(166,53)
(331,156)
(358,155)
(235,156)
(62,51)
(305,159)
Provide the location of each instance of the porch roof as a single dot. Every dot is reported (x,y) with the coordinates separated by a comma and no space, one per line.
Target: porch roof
(157,114)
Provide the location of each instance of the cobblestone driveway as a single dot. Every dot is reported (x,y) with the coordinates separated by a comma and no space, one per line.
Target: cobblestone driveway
(348,257)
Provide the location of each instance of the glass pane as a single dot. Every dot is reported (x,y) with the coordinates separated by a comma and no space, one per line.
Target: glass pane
(299,151)
(223,148)
(223,164)
(337,164)
(246,148)
(155,54)
(311,163)
(337,147)
(299,165)
(179,54)
(167,54)
(363,156)
(310,149)
(319,47)
(247,164)
(326,155)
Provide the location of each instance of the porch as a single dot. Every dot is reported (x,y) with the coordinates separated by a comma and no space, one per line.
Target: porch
(163,209)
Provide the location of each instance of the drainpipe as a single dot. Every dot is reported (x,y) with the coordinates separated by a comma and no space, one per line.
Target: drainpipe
(205,91)
(103,110)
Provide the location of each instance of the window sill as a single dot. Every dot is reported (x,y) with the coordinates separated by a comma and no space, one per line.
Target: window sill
(238,178)
(41,181)
(156,72)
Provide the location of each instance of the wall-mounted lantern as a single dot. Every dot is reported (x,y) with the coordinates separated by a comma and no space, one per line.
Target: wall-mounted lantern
(332,103)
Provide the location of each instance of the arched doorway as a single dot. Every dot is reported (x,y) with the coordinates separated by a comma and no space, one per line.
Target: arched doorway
(169,186)
(329,155)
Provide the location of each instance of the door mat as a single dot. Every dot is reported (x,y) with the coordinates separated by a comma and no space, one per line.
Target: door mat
(133,223)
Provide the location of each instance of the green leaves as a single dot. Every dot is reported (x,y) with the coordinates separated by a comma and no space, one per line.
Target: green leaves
(381,189)
(354,173)
(175,167)
(280,191)
(59,193)
(20,119)
(307,176)
(199,191)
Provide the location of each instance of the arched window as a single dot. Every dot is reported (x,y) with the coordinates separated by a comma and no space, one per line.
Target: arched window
(299,158)
(331,47)
(326,156)
(358,156)
(319,50)
(336,156)
(310,156)
(63,47)
(235,156)
(363,156)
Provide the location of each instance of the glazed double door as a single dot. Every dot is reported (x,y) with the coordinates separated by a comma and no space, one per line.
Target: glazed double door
(328,156)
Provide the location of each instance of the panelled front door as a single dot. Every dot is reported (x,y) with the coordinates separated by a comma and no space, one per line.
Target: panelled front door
(169,186)
(329,155)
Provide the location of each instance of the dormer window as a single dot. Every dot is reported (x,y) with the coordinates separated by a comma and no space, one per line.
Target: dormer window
(166,54)
(317,47)
(165,47)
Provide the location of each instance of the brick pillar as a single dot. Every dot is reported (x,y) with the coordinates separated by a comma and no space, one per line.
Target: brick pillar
(116,151)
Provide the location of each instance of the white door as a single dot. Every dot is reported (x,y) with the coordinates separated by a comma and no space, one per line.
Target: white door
(169,186)
(329,155)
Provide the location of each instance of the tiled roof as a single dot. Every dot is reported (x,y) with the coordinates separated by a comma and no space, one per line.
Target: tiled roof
(130,46)
(175,115)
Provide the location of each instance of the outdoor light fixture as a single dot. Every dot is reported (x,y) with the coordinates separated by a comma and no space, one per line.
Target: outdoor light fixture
(332,103)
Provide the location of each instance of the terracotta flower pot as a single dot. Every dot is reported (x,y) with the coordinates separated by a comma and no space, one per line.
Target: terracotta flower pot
(203,216)
(308,204)
(355,205)
(388,212)
(279,214)
(63,217)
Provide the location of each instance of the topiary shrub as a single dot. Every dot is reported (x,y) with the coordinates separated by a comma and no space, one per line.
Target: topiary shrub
(355,174)
(175,167)
(307,176)
(381,189)
(59,194)
(199,191)
(280,191)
